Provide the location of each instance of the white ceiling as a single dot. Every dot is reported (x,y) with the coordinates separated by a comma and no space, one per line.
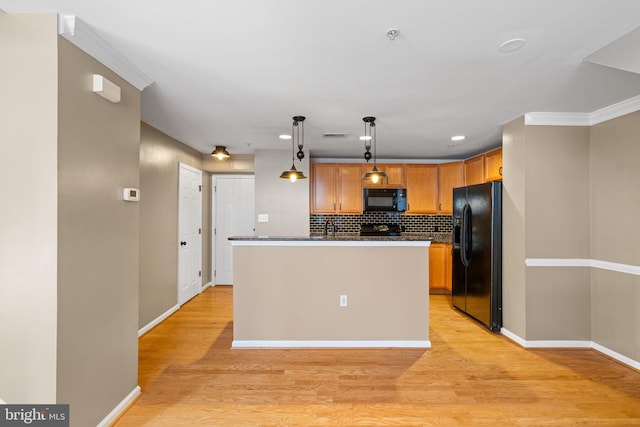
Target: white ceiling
(234,72)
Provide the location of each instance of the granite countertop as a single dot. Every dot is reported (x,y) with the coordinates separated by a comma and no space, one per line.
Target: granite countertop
(434,237)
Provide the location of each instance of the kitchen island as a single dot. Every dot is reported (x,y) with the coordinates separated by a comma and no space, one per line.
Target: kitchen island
(343,291)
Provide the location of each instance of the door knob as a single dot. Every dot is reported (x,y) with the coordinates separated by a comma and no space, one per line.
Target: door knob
(183,243)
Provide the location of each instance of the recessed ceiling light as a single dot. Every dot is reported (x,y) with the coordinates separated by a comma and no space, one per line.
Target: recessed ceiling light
(512,45)
(458,138)
(283,136)
(365,138)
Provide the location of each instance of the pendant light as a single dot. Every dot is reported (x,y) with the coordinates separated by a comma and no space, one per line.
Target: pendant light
(374,175)
(297,133)
(220,153)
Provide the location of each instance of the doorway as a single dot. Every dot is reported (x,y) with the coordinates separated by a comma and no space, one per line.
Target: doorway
(233,209)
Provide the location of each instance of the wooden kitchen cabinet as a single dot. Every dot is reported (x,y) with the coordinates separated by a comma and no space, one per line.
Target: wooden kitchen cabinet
(493,165)
(336,188)
(394,171)
(474,170)
(440,267)
(450,176)
(422,188)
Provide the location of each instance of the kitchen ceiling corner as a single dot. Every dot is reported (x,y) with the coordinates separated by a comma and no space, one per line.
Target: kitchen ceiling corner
(227,72)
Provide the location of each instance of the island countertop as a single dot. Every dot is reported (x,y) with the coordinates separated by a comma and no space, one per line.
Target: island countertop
(417,239)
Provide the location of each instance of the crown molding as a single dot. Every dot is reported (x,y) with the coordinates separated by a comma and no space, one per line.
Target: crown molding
(619,109)
(84,37)
(613,111)
(557,119)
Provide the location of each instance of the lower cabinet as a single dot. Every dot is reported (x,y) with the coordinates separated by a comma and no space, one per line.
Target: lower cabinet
(440,267)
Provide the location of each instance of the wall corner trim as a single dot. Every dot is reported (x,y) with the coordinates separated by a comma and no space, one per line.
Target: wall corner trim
(157,320)
(581,262)
(87,39)
(613,111)
(571,344)
(122,406)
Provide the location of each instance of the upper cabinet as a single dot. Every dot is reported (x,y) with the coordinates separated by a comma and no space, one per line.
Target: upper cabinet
(474,170)
(395,172)
(422,188)
(483,168)
(450,176)
(336,188)
(493,165)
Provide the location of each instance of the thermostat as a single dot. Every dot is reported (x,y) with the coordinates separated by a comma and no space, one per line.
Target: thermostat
(131,194)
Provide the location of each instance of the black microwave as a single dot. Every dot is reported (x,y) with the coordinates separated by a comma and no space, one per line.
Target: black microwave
(385,199)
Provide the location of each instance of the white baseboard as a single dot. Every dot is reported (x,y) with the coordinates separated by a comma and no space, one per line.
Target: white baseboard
(617,356)
(330,344)
(210,284)
(571,344)
(113,415)
(2,402)
(157,320)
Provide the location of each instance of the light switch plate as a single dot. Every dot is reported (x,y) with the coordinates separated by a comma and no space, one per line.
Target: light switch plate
(263,217)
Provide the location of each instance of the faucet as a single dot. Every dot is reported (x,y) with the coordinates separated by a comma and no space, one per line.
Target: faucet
(334,227)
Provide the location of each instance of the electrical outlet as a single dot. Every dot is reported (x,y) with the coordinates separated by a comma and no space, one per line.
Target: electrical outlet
(343,300)
(263,217)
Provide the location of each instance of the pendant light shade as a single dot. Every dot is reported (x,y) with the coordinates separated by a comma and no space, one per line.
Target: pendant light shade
(297,136)
(220,153)
(369,138)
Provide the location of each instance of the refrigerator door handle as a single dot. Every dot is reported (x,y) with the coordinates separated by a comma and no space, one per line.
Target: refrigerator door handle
(465,240)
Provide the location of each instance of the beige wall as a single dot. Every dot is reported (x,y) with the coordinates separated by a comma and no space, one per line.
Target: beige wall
(286,203)
(28,184)
(615,205)
(159,158)
(570,192)
(237,163)
(546,215)
(98,152)
(557,226)
(514,284)
(292,293)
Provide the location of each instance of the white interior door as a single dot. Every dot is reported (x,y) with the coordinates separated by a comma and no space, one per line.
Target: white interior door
(234,207)
(189,233)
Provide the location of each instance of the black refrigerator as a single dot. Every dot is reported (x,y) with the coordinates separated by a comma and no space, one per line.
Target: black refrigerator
(477,253)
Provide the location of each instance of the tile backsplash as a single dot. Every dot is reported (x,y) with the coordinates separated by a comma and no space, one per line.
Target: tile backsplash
(411,223)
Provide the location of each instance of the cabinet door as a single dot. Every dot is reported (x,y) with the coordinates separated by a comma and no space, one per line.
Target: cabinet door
(349,188)
(422,188)
(493,165)
(437,261)
(323,187)
(474,171)
(450,176)
(395,172)
(396,175)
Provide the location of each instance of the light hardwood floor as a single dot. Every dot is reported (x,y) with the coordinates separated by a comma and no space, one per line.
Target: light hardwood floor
(470,377)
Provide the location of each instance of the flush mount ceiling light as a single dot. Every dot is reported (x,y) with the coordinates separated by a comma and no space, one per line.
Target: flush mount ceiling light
(297,133)
(512,45)
(220,153)
(374,175)
(392,34)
